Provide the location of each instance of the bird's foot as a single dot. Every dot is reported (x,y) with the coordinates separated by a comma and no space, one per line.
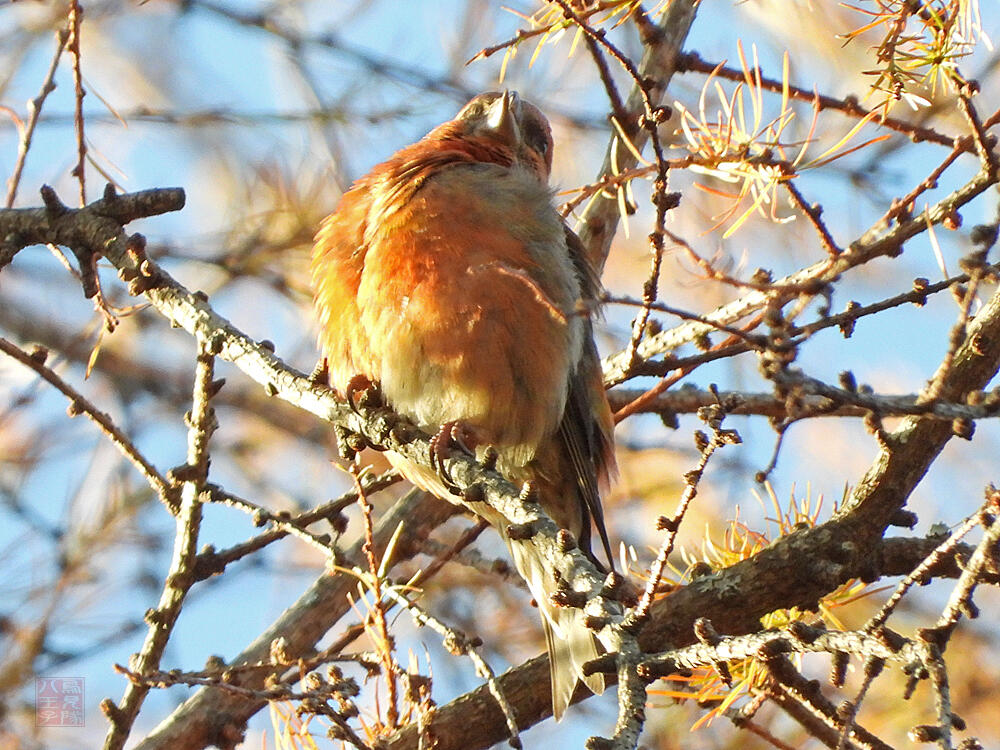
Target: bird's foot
(450,436)
(321,372)
(362,392)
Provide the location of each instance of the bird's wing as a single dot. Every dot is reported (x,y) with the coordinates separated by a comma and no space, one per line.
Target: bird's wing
(587,429)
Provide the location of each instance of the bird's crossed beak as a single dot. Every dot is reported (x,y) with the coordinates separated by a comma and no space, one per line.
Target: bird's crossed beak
(502,116)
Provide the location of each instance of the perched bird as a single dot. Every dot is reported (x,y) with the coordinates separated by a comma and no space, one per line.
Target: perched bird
(447,278)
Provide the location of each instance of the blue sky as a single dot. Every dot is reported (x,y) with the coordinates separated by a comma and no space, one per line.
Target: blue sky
(155,58)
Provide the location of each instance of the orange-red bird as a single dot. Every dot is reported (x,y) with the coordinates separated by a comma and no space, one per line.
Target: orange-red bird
(447,277)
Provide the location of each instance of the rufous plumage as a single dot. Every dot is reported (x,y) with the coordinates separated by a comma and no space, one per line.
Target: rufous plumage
(447,277)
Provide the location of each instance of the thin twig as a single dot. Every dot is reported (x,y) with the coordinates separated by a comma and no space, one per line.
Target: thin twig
(849,710)
(713,416)
(921,572)
(682,371)
(814,214)
(985,555)
(818,400)
(955,339)
(653,116)
(459,644)
(181,576)
(938,672)
(79,404)
(34,110)
(280,522)
(652,305)
(212,562)
(805,693)
(384,642)
(449,553)
(160,679)
(73,45)
(984,148)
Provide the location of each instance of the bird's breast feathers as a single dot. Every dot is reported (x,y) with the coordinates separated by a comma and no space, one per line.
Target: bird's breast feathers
(467,304)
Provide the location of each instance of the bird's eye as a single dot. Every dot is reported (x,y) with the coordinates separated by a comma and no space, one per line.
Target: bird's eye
(537,137)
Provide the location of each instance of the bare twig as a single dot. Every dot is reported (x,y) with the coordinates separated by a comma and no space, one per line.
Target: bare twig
(79,404)
(713,416)
(75,21)
(652,116)
(813,212)
(181,576)
(818,400)
(282,524)
(384,641)
(848,711)
(921,572)
(34,110)
(984,557)
(807,695)
(459,644)
(661,47)
(212,562)
(159,679)
(450,552)
(955,338)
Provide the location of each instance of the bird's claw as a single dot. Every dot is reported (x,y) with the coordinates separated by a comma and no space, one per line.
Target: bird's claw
(451,435)
(360,392)
(321,372)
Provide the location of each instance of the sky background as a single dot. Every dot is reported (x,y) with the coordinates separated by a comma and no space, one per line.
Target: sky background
(157,58)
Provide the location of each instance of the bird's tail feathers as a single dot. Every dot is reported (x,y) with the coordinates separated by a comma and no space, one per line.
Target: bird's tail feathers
(571,644)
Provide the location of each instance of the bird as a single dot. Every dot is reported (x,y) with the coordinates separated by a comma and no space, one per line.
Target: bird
(447,279)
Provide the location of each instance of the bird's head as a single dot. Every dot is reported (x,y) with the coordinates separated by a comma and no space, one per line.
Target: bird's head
(513,124)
